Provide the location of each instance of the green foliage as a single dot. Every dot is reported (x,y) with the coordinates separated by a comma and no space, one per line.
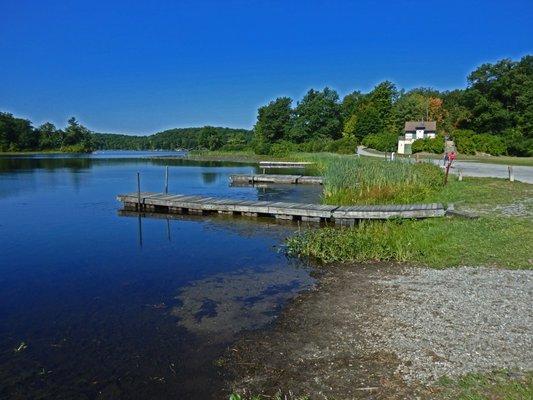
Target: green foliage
(382,141)
(428,145)
(317,116)
(494,239)
(282,149)
(274,121)
(429,242)
(468,142)
(345,145)
(17,134)
(481,386)
(361,180)
(208,137)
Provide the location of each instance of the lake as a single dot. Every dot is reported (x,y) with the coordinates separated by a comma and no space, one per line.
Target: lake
(98,305)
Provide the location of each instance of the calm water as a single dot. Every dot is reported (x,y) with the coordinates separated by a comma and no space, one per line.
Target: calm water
(96,305)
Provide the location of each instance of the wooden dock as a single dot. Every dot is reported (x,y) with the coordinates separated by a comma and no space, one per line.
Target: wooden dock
(183,204)
(266,178)
(283,164)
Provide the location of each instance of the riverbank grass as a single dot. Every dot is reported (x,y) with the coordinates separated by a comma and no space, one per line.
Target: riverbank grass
(500,237)
(359,180)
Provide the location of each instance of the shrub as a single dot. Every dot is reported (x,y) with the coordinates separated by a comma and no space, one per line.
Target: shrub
(468,142)
(381,141)
(261,148)
(489,144)
(283,148)
(435,146)
(315,145)
(345,145)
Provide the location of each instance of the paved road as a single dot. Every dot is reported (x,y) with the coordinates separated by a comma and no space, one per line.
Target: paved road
(472,168)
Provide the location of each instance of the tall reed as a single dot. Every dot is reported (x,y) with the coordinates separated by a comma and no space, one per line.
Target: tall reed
(362,180)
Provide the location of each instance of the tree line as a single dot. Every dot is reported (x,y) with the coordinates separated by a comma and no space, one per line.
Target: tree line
(493,115)
(208,138)
(18,134)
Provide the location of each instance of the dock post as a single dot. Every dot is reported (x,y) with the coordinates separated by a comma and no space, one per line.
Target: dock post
(511,173)
(138,191)
(166,180)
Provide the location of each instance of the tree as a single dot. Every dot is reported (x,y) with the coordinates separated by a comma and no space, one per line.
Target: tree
(317,116)
(274,121)
(49,136)
(77,135)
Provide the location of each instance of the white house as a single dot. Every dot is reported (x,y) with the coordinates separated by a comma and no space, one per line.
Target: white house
(414,130)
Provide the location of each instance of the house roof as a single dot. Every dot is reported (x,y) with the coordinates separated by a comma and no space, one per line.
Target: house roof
(411,126)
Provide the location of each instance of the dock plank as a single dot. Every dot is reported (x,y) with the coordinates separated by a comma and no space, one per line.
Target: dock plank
(178,203)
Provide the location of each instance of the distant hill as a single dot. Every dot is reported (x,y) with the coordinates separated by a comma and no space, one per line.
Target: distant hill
(208,137)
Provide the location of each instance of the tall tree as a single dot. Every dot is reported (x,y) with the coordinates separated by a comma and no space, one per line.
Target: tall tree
(274,120)
(317,116)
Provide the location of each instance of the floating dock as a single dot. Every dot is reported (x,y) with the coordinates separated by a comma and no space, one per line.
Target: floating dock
(266,178)
(183,204)
(283,164)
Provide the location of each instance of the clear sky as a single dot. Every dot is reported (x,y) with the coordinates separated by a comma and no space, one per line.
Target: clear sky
(143,66)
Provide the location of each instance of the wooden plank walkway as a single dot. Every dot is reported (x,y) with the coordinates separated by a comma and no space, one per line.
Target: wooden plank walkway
(283,164)
(266,178)
(188,204)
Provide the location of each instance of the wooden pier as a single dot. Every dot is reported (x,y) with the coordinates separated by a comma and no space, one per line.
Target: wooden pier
(183,204)
(266,178)
(283,164)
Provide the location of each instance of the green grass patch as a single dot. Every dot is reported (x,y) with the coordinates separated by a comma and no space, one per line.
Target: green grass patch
(361,180)
(439,242)
(498,385)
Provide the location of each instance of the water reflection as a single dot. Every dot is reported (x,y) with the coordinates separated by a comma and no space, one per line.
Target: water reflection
(112,307)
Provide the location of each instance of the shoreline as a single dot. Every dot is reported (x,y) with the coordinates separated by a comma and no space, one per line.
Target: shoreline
(389,331)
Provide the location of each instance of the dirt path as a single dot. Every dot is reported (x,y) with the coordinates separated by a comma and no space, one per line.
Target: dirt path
(387,332)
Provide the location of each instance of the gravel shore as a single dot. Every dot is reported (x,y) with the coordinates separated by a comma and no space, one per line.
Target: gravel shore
(389,332)
(454,321)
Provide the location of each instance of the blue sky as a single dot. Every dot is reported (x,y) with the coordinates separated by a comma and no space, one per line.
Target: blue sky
(140,67)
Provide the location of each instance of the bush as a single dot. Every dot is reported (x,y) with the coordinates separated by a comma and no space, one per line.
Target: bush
(489,144)
(345,145)
(468,142)
(382,141)
(435,146)
(283,148)
(315,145)
(261,148)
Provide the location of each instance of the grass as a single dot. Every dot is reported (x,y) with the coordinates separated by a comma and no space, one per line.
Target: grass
(361,180)
(439,243)
(501,237)
(497,385)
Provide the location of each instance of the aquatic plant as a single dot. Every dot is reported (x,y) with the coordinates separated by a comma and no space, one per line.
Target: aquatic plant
(362,180)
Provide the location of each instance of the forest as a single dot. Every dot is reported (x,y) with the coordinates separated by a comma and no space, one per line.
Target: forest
(18,134)
(492,115)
